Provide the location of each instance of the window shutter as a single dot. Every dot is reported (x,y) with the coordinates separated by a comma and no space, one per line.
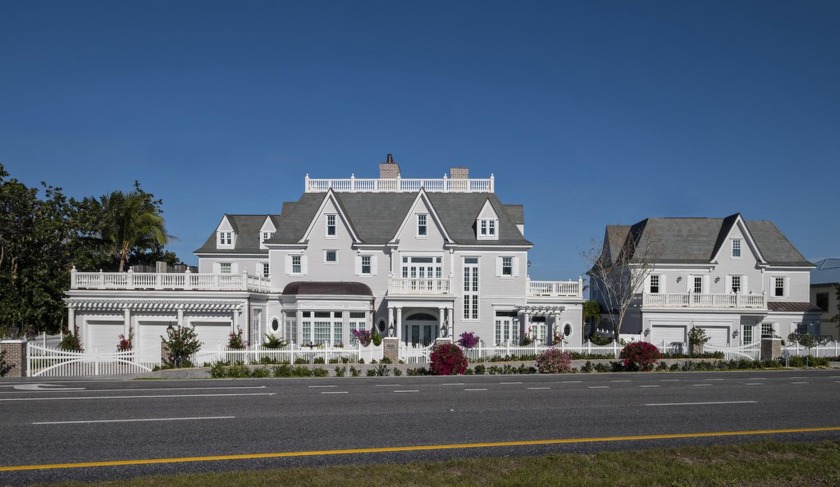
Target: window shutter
(745,286)
(373,265)
(498,266)
(663,279)
(288,265)
(787,287)
(217,268)
(728,283)
(516,267)
(303,264)
(358,265)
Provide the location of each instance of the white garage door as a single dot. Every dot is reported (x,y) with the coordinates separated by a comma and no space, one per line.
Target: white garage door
(103,336)
(147,342)
(212,334)
(665,337)
(718,335)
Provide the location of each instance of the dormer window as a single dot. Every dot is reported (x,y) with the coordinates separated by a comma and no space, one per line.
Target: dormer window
(225,239)
(330,225)
(736,248)
(487,229)
(266,236)
(422,227)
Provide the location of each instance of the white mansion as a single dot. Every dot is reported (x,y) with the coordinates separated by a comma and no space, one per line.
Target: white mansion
(417,259)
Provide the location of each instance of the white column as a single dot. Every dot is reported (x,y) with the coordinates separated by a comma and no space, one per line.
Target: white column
(441,319)
(399,324)
(126,323)
(180,317)
(450,330)
(299,327)
(71,320)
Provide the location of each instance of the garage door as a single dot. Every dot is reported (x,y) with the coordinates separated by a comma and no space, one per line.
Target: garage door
(665,337)
(103,336)
(718,335)
(147,342)
(212,334)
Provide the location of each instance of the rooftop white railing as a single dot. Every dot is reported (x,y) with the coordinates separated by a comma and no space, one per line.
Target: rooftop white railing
(188,281)
(400,185)
(704,300)
(570,289)
(416,286)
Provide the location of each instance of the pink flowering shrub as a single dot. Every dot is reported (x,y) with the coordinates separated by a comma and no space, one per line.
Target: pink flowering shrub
(468,339)
(448,359)
(554,361)
(639,356)
(124,344)
(235,340)
(363,336)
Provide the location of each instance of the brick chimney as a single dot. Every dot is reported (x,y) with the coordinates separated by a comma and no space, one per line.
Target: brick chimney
(459,173)
(389,169)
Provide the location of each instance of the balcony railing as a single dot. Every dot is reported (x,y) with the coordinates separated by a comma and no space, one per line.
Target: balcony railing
(570,289)
(400,185)
(702,300)
(187,281)
(418,286)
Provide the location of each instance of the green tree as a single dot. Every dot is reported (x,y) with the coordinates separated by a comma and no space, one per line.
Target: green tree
(130,221)
(34,259)
(180,342)
(591,315)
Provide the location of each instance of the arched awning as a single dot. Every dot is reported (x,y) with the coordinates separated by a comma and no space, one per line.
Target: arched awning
(327,288)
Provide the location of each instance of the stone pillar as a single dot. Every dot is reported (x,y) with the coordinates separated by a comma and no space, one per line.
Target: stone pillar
(771,348)
(391,349)
(15,355)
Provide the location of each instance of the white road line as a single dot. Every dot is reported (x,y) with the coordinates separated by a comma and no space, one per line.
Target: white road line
(509,383)
(320,387)
(700,403)
(797,377)
(756,378)
(166,396)
(714,379)
(669,380)
(135,420)
(650,385)
(702,385)
(538,388)
(599,387)
(408,390)
(387,385)
(799,382)
(334,392)
(571,381)
(475,389)
(453,384)
(622,380)
(753,384)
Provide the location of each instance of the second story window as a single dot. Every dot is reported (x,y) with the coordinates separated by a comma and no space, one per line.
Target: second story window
(225,238)
(330,225)
(698,285)
(366,269)
(265,269)
(736,284)
(779,287)
(331,256)
(224,268)
(507,266)
(736,248)
(487,229)
(422,228)
(654,284)
(296,267)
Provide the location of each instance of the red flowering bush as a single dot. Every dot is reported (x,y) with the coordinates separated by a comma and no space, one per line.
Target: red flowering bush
(235,341)
(554,361)
(124,344)
(639,356)
(448,359)
(362,336)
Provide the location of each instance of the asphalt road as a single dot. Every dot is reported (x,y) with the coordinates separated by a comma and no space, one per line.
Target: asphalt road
(196,425)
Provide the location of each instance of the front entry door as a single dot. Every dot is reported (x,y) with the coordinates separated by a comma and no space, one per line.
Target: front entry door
(421,333)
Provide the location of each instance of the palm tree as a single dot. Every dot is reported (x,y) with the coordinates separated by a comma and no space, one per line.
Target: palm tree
(131,220)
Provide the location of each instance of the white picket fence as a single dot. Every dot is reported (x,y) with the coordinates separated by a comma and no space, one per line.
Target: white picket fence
(483,352)
(415,353)
(44,361)
(291,353)
(829,349)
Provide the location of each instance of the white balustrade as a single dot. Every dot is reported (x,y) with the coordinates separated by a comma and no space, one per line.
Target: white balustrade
(159,281)
(703,300)
(556,288)
(400,185)
(419,286)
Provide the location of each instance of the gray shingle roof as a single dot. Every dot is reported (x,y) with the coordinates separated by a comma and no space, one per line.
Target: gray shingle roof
(247,228)
(697,240)
(376,217)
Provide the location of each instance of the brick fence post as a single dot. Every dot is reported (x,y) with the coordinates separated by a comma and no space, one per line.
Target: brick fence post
(771,348)
(15,356)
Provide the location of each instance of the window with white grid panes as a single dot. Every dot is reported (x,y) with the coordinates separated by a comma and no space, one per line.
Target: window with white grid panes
(357,322)
(779,286)
(747,332)
(507,328)
(224,268)
(470,288)
(698,285)
(767,330)
(306,328)
(296,267)
(366,265)
(225,238)
(422,228)
(654,284)
(266,236)
(425,267)
(736,284)
(330,225)
(736,248)
(291,329)
(265,269)
(337,337)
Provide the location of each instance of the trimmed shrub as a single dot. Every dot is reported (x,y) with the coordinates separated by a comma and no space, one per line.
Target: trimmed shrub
(639,356)
(448,359)
(554,361)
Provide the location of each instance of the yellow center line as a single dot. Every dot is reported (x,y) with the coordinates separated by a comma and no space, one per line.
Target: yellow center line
(397,449)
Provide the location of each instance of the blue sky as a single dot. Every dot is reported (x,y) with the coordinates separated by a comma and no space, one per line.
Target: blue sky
(588,113)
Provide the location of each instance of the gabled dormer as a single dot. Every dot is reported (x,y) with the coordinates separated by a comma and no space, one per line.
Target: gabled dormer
(422,224)
(487,223)
(330,220)
(226,234)
(735,243)
(267,231)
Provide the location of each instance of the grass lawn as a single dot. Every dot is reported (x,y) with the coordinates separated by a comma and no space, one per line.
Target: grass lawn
(756,464)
